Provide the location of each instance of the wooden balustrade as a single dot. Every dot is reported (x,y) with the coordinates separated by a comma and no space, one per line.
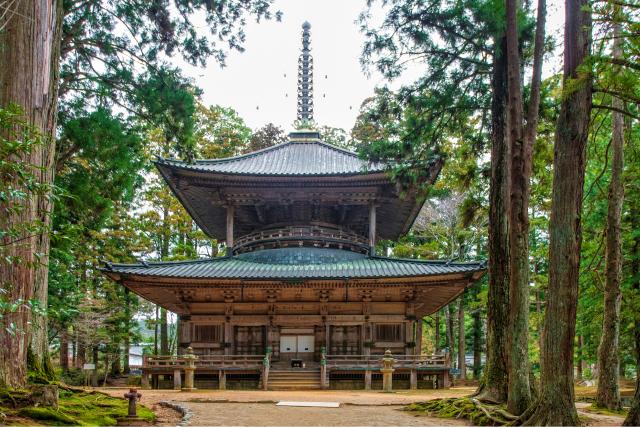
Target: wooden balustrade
(249,361)
(312,232)
(401,361)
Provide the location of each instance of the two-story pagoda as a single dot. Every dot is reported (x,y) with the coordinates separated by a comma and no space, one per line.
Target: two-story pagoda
(301,280)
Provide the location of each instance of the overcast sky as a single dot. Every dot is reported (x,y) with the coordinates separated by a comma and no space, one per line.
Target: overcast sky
(260,83)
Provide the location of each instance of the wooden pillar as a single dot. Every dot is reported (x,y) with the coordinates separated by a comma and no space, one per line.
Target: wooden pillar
(327,338)
(413,379)
(418,336)
(367,379)
(222,380)
(230,212)
(144,380)
(408,336)
(155,382)
(228,338)
(372,229)
(177,379)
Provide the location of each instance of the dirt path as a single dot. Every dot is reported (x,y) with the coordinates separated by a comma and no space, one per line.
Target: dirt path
(257,408)
(268,414)
(361,408)
(593,419)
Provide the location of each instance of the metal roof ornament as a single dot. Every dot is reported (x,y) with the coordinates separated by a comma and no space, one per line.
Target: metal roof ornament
(305,80)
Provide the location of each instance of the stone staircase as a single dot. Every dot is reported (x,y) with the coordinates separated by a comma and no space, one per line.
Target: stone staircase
(294,379)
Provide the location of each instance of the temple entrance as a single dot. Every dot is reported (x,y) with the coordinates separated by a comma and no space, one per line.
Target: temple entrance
(296,344)
(250,340)
(345,339)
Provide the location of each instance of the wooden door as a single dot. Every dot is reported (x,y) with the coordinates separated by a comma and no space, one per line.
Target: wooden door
(250,340)
(345,339)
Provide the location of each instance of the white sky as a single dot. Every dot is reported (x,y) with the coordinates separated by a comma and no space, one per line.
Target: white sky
(254,82)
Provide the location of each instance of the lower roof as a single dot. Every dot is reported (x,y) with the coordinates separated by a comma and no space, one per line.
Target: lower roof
(295,264)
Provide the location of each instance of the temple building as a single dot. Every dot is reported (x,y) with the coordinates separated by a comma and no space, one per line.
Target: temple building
(301,286)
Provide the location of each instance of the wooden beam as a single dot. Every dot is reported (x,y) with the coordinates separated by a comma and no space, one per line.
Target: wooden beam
(372,228)
(230,212)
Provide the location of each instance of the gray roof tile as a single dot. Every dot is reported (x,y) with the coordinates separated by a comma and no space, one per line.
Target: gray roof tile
(292,158)
(296,263)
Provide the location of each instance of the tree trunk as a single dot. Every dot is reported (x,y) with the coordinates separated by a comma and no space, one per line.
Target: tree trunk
(116,365)
(608,394)
(164,333)
(30,41)
(477,345)
(451,343)
(519,396)
(94,373)
(633,417)
(64,349)
(155,332)
(437,338)
(493,387)
(127,336)
(556,403)
(81,352)
(462,364)
(579,370)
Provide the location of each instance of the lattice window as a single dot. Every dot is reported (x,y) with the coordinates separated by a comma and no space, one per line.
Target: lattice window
(391,332)
(207,333)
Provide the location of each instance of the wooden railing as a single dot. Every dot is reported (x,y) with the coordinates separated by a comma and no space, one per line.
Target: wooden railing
(401,361)
(209,361)
(311,232)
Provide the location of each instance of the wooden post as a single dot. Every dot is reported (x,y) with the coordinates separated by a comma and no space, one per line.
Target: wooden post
(230,212)
(367,379)
(418,348)
(413,379)
(144,380)
(372,229)
(228,337)
(177,379)
(222,380)
(327,343)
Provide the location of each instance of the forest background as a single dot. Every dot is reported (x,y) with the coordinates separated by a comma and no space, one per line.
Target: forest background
(121,103)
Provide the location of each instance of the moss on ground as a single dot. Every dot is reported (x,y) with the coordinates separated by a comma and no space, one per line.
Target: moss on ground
(468,408)
(595,409)
(76,407)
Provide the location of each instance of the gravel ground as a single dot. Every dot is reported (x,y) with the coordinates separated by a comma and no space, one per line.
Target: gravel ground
(358,408)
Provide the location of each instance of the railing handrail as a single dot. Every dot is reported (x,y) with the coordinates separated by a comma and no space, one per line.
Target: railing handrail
(301,231)
(222,360)
(401,360)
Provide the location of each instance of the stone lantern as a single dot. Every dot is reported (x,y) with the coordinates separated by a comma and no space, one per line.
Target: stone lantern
(189,370)
(387,371)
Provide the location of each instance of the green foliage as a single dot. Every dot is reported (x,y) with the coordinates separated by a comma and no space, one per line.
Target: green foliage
(221,132)
(80,408)
(267,136)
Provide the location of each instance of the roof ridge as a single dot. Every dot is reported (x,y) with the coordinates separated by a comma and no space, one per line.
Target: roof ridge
(234,158)
(265,150)
(147,264)
(426,261)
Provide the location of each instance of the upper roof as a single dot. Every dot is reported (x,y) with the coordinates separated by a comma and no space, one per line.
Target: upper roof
(303,155)
(296,263)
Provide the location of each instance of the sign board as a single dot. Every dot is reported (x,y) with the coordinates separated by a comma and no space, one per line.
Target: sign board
(89,366)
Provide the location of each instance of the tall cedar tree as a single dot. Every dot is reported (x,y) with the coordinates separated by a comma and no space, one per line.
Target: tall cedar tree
(519,396)
(30,40)
(462,47)
(555,405)
(520,140)
(462,365)
(608,394)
